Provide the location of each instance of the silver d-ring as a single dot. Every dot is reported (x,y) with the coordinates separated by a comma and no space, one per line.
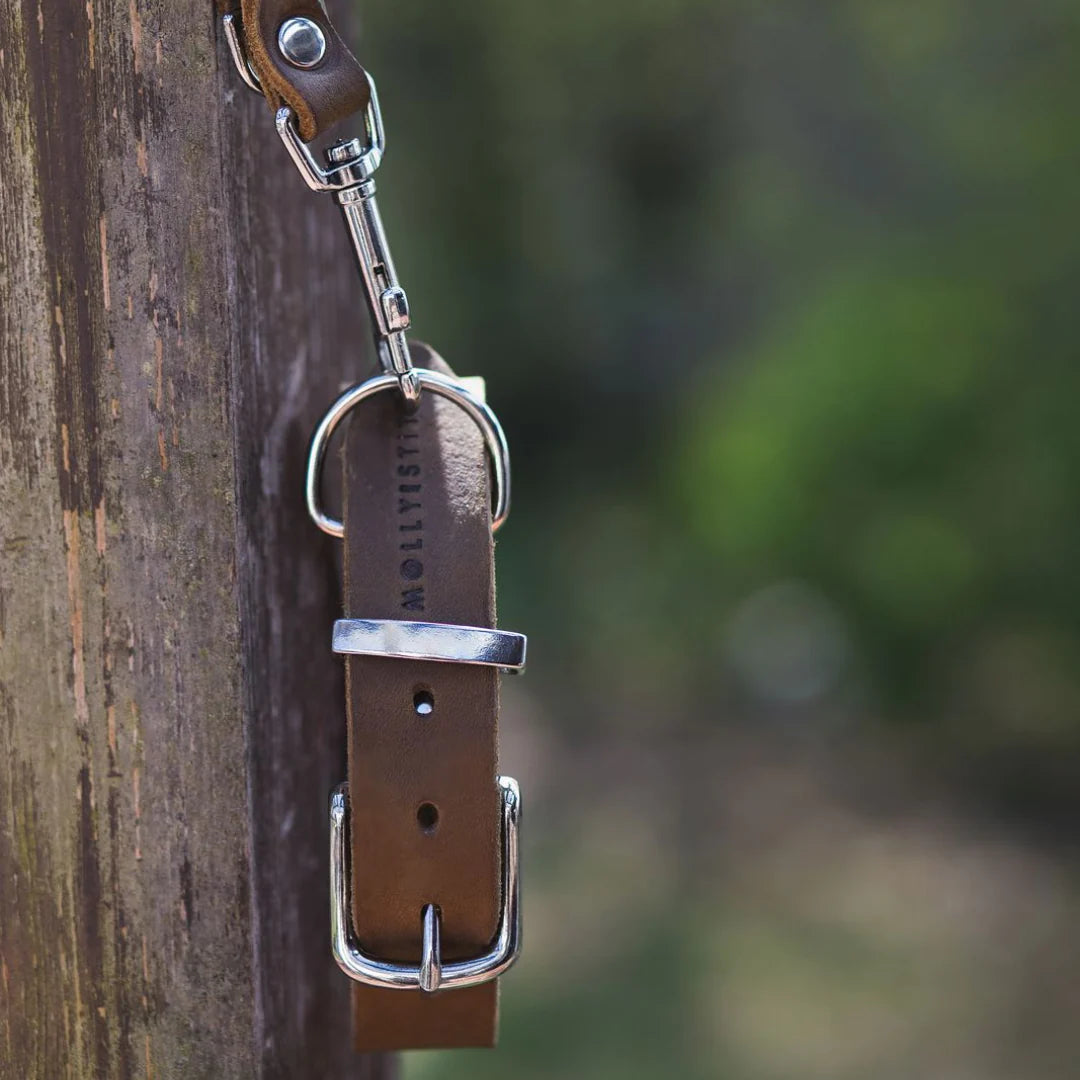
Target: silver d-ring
(477,411)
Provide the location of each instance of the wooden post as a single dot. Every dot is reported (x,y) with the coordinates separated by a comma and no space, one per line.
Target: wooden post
(173,306)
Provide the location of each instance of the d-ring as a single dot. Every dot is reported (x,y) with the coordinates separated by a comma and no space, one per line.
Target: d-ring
(477,411)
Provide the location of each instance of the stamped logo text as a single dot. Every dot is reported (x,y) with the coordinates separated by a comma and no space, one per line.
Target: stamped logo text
(410,514)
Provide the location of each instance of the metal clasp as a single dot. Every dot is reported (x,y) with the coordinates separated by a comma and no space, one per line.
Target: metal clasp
(351,164)
(431,973)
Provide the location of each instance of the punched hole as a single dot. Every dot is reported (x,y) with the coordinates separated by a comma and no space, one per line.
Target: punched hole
(427,817)
(424,702)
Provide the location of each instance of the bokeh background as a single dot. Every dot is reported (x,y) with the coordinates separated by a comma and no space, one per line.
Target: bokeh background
(777,302)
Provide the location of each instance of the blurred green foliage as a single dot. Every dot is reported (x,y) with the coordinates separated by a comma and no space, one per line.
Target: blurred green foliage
(764,293)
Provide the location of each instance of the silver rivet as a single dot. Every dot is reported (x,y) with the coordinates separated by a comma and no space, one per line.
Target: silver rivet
(301,42)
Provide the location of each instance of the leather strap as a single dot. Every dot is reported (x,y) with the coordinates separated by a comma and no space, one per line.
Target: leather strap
(320,96)
(418,546)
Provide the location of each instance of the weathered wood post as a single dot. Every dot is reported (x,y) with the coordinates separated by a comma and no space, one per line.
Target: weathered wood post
(170,712)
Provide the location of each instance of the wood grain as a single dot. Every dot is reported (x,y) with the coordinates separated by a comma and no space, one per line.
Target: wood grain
(173,305)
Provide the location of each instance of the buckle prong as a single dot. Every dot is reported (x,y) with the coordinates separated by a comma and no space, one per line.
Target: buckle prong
(431,954)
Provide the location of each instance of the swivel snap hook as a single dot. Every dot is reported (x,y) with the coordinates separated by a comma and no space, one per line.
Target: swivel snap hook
(351,165)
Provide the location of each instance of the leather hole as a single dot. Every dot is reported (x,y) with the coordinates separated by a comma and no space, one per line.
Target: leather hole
(423,702)
(427,817)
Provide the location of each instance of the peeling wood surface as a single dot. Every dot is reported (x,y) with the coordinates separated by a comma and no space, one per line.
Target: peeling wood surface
(170,714)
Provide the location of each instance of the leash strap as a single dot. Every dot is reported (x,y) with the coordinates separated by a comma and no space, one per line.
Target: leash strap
(424,882)
(322,84)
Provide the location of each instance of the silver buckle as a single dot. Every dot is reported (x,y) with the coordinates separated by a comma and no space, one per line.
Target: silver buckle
(431,973)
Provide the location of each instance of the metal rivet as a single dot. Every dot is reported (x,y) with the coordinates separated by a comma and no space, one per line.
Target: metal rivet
(301,42)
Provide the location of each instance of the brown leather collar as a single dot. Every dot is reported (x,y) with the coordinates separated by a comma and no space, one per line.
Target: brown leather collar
(418,546)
